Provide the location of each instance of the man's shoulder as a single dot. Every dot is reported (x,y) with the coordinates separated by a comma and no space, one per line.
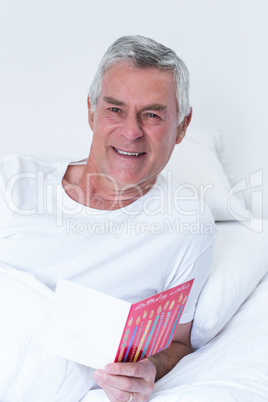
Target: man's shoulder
(19,164)
(24,160)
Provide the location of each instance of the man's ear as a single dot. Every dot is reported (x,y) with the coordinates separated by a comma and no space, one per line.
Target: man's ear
(182,127)
(90,114)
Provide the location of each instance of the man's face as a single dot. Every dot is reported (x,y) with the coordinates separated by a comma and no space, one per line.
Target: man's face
(134,125)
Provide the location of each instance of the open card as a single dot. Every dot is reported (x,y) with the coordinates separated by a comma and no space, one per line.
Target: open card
(92,328)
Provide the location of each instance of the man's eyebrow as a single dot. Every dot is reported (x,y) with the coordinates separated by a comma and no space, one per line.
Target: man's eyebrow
(154,106)
(113,101)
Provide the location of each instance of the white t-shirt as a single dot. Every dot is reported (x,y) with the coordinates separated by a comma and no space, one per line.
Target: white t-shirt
(159,241)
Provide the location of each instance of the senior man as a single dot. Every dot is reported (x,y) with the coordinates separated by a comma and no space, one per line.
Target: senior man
(112,221)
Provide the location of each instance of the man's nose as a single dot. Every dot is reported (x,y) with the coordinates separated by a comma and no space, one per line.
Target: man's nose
(132,127)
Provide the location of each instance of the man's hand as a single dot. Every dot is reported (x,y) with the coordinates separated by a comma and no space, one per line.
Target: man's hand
(122,380)
(135,381)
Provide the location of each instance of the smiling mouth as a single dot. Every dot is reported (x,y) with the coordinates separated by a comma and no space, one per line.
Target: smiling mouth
(128,153)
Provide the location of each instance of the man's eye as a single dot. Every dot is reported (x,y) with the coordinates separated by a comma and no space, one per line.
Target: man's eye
(152,115)
(114,109)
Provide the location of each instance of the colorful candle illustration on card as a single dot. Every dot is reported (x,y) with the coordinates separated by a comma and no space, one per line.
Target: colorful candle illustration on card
(144,336)
(171,321)
(151,332)
(163,328)
(176,321)
(159,325)
(125,337)
(137,339)
(132,338)
(152,323)
(168,323)
(173,328)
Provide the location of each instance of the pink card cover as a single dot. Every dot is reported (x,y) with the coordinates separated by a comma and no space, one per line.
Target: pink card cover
(152,323)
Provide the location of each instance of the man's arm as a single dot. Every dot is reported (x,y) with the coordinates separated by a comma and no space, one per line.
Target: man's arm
(120,380)
(180,347)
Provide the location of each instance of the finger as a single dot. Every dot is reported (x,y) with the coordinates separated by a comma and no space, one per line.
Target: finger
(120,382)
(115,395)
(143,369)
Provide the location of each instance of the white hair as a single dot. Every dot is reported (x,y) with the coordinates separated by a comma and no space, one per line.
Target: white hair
(144,52)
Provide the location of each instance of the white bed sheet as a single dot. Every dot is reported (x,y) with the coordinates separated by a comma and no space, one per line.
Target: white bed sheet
(231,367)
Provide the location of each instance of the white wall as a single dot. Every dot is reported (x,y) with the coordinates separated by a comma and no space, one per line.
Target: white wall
(50,50)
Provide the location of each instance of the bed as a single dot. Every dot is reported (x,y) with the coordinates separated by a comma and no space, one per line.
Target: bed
(230,331)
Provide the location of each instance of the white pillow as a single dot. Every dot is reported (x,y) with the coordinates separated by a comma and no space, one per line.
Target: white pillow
(195,162)
(27,372)
(240,262)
